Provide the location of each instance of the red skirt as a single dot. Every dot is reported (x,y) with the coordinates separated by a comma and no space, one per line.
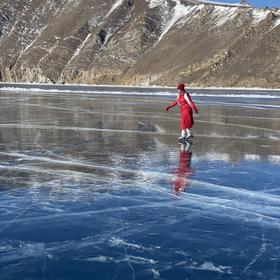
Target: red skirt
(186,118)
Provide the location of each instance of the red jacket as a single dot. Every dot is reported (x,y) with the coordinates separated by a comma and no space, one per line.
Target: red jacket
(186,107)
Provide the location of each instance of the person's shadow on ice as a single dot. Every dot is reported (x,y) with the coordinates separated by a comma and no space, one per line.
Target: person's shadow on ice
(184,171)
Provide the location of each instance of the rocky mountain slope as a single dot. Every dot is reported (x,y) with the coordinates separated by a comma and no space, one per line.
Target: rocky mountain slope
(144,42)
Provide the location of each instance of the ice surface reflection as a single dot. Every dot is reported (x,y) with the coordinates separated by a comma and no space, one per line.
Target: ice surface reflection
(97,186)
(184,171)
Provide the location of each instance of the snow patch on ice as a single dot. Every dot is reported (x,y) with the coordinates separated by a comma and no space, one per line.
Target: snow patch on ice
(117,242)
(252,157)
(209,266)
(159,129)
(274,159)
(18,250)
(101,259)
(129,258)
(273,137)
(139,260)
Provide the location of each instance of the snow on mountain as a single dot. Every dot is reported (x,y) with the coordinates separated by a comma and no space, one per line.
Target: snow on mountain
(277,22)
(115,6)
(139,42)
(155,3)
(218,3)
(222,14)
(179,12)
(259,15)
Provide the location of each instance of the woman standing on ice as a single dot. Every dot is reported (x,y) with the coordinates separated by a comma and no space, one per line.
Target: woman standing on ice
(186,106)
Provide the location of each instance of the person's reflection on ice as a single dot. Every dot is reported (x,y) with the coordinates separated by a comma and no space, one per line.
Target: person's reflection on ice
(182,180)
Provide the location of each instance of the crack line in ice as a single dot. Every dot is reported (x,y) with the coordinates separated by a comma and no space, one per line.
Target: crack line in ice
(241,125)
(252,194)
(38,170)
(83,164)
(273,222)
(242,105)
(44,267)
(129,264)
(26,126)
(124,113)
(54,127)
(249,117)
(261,251)
(211,204)
(203,202)
(259,195)
(16,218)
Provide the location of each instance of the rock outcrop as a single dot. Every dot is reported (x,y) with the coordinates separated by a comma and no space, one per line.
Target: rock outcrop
(147,42)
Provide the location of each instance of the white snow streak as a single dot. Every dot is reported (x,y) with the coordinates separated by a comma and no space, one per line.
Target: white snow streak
(37,35)
(222,3)
(49,51)
(115,6)
(277,22)
(78,50)
(179,11)
(9,32)
(155,3)
(223,14)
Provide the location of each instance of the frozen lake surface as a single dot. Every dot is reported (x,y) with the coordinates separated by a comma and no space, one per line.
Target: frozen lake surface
(95,186)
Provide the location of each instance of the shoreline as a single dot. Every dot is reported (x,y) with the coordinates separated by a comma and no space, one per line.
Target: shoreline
(5,84)
(42,85)
(140,90)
